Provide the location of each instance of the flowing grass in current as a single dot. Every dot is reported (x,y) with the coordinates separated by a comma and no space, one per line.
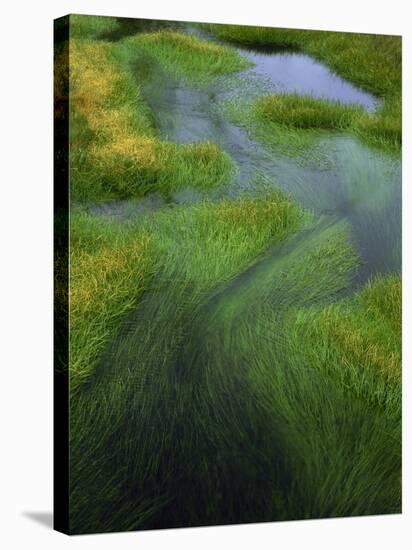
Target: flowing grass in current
(374,62)
(111,262)
(137,385)
(205,408)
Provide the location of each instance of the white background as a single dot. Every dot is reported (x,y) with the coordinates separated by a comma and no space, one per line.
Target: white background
(26,273)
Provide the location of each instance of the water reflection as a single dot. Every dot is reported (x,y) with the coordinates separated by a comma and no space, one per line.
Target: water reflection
(301,74)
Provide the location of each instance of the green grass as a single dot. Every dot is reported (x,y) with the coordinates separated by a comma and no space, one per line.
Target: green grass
(116,152)
(293,124)
(358,341)
(213,376)
(300,144)
(111,262)
(337,424)
(374,62)
(196,250)
(187,57)
(110,265)
(221,371)
(91,26)
(306,112)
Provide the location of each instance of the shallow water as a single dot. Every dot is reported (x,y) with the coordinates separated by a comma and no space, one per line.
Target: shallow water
(351,180)
(345,178)
(296,72)
(299,73)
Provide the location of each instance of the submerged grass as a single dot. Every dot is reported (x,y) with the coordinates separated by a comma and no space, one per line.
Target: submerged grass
(374,62)
(213,377)
(111,262)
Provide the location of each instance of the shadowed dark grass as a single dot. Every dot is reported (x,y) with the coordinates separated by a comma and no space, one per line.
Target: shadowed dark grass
(202,411)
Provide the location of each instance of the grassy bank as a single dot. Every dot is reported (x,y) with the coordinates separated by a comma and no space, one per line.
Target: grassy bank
(115,150)
(373,62)
(110,265)
(296,111)
(358,341)
(187,57)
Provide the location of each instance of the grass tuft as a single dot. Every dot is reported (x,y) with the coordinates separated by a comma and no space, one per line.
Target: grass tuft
(109,268)
(292,110)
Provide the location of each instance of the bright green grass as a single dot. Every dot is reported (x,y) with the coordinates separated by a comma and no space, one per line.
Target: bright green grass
(358,341)
(111,262)
(187,57)
(301,144)
(306,112)
(373,62)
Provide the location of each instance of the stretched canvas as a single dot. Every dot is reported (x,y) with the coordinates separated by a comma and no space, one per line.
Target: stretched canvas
(227,274)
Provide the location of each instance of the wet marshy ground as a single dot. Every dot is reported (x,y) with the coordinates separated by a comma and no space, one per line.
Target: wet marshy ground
(208,406)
